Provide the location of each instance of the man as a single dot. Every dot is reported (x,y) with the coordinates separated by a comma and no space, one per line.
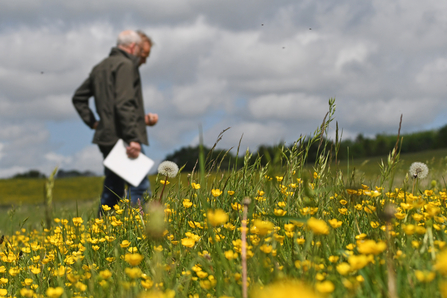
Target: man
(116,86)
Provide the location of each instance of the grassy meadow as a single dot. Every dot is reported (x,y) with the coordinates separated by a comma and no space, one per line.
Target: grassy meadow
(357,229)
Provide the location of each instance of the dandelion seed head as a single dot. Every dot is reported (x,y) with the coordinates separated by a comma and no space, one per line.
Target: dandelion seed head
(418,170)
(168,168)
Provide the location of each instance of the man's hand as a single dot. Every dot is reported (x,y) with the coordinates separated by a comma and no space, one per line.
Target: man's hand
(133,150)
(95,125)
(151,119)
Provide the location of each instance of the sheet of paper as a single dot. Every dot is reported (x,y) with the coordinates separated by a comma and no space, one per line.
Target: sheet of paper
(133,170)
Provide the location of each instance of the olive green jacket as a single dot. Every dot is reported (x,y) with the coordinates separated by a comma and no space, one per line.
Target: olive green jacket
(116,86)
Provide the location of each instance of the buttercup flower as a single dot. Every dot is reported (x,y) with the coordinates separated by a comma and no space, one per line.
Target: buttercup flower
(217,217)
(418,170)
(195,185)
(284,288)
(133,259)
(168,168)
(216,192)
(318,226)
(55,292)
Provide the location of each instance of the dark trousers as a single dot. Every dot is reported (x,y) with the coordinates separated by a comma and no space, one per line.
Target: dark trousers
(113,190)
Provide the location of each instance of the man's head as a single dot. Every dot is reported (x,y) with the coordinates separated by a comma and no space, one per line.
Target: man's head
(146,45)
(130,42)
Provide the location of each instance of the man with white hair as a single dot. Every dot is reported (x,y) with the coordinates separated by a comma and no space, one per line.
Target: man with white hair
(116,87)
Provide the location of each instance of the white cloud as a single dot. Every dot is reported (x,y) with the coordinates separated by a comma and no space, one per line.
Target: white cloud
(292,106)
(264,68)
(353,53)
(432,76)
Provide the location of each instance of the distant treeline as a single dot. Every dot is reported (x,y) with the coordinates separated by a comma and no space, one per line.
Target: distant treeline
(60,174)
(360,147)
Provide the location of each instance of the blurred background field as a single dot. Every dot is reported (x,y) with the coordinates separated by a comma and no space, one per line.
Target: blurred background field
(21,200)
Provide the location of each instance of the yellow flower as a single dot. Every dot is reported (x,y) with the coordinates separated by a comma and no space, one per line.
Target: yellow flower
(418,217)
(132,249)
(202,274)
(27,282)
(261,227)
(443,289)
(195,185)
(106,208)
(420,230)
(133,259)
(236,206)
(318,226)
(325,287)
(425,276)
(133,273)
(110,238)
(147,284)
(400,215)
(217,217)
(441,263)
(14,271)
(230,255)
(77,221)
(375,224)
(342,211)
(409,229)
(300,241)
(3,292)
(188,242)
(105,274)
(361,236)
(432,210)
(229,226)
(371,247)
(230,192)
(55,292)
(187,203)
(125,244)
(358,262)
(415,244)
(216,192)
(266,248)
(333,259)
(335,223)
(165,182)
(343,268)
(26,292)
(284,288)
(279,212)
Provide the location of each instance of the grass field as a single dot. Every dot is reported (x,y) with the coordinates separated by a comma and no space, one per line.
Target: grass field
(320,230)
(26,196)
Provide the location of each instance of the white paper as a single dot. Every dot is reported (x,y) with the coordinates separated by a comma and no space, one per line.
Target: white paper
(133,170)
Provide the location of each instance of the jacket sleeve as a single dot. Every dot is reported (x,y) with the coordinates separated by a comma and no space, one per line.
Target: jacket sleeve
(80,102)
(125,101)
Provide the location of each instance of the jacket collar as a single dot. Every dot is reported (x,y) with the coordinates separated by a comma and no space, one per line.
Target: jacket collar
(116,51)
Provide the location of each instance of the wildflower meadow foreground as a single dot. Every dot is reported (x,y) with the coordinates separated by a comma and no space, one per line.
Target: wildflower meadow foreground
(276,231)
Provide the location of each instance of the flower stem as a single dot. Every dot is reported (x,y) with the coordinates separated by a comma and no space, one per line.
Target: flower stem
(244,248)
(163,189)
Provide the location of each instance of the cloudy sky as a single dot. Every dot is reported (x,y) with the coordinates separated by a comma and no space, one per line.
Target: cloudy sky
(264,68)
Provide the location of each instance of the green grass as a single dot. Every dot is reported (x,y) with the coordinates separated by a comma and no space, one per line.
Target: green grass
(23,198)
(368,170)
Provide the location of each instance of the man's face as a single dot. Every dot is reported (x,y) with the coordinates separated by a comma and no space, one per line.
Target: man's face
(145,51)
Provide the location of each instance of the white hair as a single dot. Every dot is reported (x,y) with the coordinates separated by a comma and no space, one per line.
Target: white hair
(127,37)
